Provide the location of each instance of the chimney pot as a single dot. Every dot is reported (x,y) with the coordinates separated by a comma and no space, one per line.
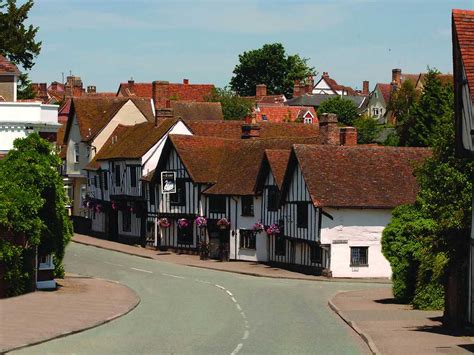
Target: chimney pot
(260,90)
(328,129)
(325,74)
(91,89)
(250,131)
(348,136)
(185,81)
(365,87)
(397,77)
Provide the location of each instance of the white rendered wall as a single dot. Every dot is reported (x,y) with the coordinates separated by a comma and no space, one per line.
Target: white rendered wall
(356,228)
(98,221)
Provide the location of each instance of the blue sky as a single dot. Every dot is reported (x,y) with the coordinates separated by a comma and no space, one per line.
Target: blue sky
(107,42)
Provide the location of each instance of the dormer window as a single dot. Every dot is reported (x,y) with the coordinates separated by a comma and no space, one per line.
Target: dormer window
(264,117)
(76,152)
(308,120)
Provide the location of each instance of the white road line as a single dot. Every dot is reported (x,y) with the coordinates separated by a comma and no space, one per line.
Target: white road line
(229,293)
(114,264)
(237,349)
(175,276)
(238,306)
(244,316)
(149,272)
(233,299)
(246,335)
(202,281)
(221,287)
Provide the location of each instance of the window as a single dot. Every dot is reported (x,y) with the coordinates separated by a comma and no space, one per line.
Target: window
(126,221)
(359,256)
(264,117)
(273,198)
(217,204)
(247,205)
(280,245)
(105,181)
(76,153)
(185,235)
(133,176)
(95,180)
(46,262)
(375,111)
(308,120)
(302,215)
(151,191)
(247,239)
(117,175)
(316,254)
(179,197)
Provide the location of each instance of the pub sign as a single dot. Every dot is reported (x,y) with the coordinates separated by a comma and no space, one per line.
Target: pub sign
(168,182)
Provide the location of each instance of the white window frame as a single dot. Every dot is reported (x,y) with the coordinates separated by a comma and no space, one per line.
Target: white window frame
(76,153)
(46,262)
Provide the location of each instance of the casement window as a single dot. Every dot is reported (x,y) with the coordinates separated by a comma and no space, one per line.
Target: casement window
(126,221)
(217,204)
(247,205)
(302,215)
(308,120)
(273,198)
(151,191)
(247,239)
(316,254)
(375,111)
(179,197)
(280,245)
(264,117)
(76,152)
(133,176)
(95,180)
(46,262)
(105,180)
(185,235)
(359,256)
(117,175)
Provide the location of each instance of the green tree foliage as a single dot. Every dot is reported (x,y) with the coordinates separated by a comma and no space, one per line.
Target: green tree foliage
(401,105)
(269,65)
(345,109)
(25,88)
(368,129)
(17,41)
(234,107)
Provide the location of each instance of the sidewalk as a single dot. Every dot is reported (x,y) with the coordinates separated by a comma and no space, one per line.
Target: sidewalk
(391,328)
(240,267)
(79,303)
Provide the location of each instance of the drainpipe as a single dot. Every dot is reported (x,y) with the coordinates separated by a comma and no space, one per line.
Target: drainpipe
(235,231)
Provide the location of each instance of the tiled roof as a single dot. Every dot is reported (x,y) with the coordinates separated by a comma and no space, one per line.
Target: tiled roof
(267,99)
(197,110)
(132,142)
(284,113)
(463,26)
(386,90)
(278,161)
(336,87)
(93,165)
(412,77)
(60,141)
(146,107)
(138,89)
(359,176)
(233,129)
(7,67)
(149,176)
(316,100)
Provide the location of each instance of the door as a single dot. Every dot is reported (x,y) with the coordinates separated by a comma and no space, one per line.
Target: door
(113,225)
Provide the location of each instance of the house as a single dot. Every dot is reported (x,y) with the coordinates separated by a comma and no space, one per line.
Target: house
(463,69)
(328,86)
(197,111)
(262,97)
(9,75)
(274,113)
(315,100)
(116,199)
(90,123)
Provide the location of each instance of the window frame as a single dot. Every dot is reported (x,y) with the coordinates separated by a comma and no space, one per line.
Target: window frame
(217,204)
(247,208)
(247,239)
(316,257)
(302,211)
(179,197)
(126,222)
(273,198)
(133,176)
(117,175)
(185,236)
(280,245)
(359,264)
(76,153)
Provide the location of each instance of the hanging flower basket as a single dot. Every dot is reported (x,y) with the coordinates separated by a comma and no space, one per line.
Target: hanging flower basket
(273,229)
(201,222)
(163,223)
(98,208)
(114,206)
(258,227)
(223,223)
(183,223)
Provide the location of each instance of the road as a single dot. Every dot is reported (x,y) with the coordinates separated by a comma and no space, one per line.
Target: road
(190,310)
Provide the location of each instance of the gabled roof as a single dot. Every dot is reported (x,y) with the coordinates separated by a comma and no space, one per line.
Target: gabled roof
(132,142)
(7,67)
(93,114)
(284,113)
(359,176)
(197,110)
(278,162)
(463,30)
(315,100)
(386,90)
(334,86)
(137,89)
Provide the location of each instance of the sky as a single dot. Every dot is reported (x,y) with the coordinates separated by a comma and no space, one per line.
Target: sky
(106,42)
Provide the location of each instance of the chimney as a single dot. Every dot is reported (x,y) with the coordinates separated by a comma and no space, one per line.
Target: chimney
(260,91)
(250,131)
(296,89)
(309,84)
(325,74)
(91,89)
(131,85)
(162,113)
(54,86)
(365,87)
(328,129)
(185,81)
(348,135)
(160,93)
(397,77)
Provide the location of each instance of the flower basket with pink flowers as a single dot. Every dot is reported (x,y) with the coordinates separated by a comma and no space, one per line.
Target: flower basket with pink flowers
(163,223)
(273,229)
(223,223)
(201,222)
(183,223)
(258,227)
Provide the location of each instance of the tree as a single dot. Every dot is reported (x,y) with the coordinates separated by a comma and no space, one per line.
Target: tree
(25,88)
(234,107)
(17,41)
(345,109)
(269,65)
(368,130)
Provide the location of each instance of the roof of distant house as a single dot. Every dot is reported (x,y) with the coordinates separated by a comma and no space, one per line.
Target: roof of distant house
(359,176)
(282,113)
(316,100)
(176,91)
(7,67)
(197,110)
(278,161)
(335,86)
(386,90)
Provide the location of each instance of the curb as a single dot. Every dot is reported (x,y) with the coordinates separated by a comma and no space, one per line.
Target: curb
(95,325)
(366,337)
(359,281)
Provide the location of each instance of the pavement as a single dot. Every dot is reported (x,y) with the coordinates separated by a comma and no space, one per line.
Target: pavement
(390,328)
(241,267)
(79,303)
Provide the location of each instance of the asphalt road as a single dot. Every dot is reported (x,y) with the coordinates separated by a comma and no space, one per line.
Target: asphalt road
(196,311)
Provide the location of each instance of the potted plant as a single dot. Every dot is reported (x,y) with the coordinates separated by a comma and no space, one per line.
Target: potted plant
(163,223)
(183,223)
(258,227)
(273,229)
(201,222)
(223,223)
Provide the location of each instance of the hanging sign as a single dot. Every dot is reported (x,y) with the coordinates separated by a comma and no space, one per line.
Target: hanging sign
(168,182)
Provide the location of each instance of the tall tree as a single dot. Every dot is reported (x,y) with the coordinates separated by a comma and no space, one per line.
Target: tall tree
(401,105)
(234,107)
(269,65)
(345,109)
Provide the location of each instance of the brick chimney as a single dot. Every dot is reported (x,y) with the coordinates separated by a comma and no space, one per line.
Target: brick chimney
(325,74)
(348,135)
(131,85)
(160,93)
(296,89)
(260,91)
(250,131)
(309,84)
(54,86)
(185,81)
(397,77)
(365,87)
(328,129)
(91,89)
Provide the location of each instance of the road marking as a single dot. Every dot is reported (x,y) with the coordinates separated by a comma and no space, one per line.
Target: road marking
(175,276)
(243,315)
(246,335)
(221,287)
(238,306)
(149,272)
(233,299)
(237,349)
(202,281)
(229,293)
(114,264)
